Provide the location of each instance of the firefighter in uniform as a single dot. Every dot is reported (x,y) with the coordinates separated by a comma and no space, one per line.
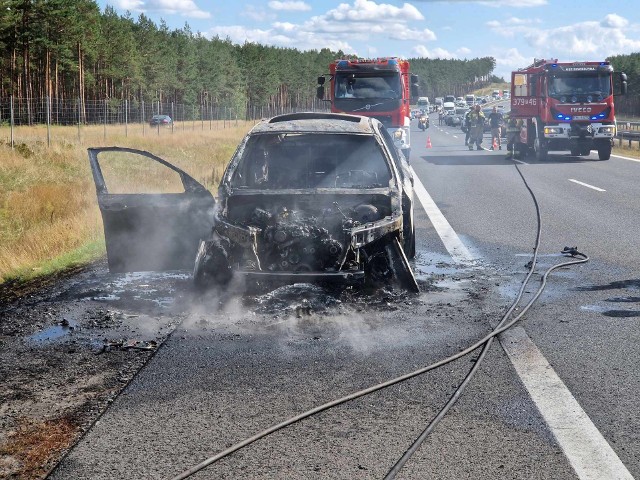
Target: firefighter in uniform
(513,138)
(476,123)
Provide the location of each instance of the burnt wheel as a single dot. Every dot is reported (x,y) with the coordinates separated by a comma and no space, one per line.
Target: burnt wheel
(211,265)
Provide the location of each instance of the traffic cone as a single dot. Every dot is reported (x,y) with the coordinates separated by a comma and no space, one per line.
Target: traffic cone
(428,142)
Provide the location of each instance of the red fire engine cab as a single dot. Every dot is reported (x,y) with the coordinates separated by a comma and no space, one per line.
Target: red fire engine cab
(566,106)
(380,88)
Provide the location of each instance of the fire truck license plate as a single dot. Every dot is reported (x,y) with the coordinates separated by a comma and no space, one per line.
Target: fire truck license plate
(581,117)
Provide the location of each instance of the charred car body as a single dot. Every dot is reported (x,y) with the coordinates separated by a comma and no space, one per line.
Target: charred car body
(306,197)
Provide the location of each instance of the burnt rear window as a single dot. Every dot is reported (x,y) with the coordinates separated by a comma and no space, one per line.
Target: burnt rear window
(283,161)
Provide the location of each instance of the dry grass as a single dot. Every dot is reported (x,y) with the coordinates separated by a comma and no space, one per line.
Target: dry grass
(47,197)
(626,151)
(26,454)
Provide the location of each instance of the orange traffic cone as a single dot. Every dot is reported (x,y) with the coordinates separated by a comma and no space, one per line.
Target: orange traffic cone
(428,142)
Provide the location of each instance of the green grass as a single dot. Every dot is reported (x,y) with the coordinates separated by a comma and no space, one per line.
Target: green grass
(77,257)
(49,218)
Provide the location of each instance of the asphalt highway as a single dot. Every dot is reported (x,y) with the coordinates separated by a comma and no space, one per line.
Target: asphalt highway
(239,364)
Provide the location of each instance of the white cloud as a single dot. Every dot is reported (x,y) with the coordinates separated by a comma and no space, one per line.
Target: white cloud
(423,51)
(463,51)
(514,3)
(258,14)
(498,3)
(425,35)
(508,60)
(186,8)
(590,40)
(297,6)
(614,21)
(367,10)
(338,27)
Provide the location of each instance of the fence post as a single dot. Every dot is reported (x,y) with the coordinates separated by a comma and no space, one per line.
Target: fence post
(126,117)
(48,121)
(79,115)
(173,117)
(142,116)
(12,121)
(104,123)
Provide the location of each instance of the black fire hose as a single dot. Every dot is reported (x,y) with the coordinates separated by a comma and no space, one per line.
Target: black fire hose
(485,342)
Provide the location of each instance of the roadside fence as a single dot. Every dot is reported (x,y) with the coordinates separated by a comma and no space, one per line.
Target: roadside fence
(628,132)
(128,114)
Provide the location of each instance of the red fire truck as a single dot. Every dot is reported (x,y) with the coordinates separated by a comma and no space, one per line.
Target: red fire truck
(380,88)
(567,106)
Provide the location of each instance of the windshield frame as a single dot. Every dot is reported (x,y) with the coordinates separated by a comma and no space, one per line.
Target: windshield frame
(579,85)
(246,168)
(346,85)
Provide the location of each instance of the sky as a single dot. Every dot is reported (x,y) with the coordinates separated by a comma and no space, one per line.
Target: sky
(514,32)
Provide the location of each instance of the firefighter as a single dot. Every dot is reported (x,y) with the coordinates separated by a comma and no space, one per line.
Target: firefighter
(467,126)
(495,119)
(513,138)
(476,122)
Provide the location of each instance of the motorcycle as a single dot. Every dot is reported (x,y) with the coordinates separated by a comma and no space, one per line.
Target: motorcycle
(423,123)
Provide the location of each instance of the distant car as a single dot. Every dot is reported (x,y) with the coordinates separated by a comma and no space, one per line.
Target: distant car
(289,209)
(457,118)
(160,120)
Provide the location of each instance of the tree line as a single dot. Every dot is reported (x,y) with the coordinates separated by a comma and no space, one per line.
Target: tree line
(628,105)
(65,50)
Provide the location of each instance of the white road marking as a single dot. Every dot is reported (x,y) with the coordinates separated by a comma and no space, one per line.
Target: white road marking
(520,161)
(588,452)
(458,251)
(586,449)
(598,189)
(627,158)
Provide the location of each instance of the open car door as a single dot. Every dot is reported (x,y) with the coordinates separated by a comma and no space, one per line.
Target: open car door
(159,229)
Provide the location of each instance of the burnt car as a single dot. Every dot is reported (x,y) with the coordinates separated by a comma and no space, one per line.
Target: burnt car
(306,197)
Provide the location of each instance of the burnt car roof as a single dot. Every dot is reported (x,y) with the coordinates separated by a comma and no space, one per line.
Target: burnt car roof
(316,122)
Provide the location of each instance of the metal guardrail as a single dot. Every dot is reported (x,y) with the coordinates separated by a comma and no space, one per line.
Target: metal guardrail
(628,131)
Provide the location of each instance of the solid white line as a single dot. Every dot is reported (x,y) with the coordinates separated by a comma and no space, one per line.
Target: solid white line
(450,239)
(588,452)
(627,158)
(587,185)
(520,161)
(586,449)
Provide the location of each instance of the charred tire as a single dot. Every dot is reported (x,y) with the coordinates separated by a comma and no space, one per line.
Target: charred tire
(212,264)
(410,242)
(604,152)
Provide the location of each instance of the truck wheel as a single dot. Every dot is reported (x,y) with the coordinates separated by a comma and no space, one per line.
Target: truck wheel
(540,150)
(604,152)
(575,152)
(585,151)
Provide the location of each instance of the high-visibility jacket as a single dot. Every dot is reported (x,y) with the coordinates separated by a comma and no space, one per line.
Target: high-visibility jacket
(476,119)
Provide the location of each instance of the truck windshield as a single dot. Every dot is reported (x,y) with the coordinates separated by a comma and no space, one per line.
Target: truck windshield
(598,86)
(349,85)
